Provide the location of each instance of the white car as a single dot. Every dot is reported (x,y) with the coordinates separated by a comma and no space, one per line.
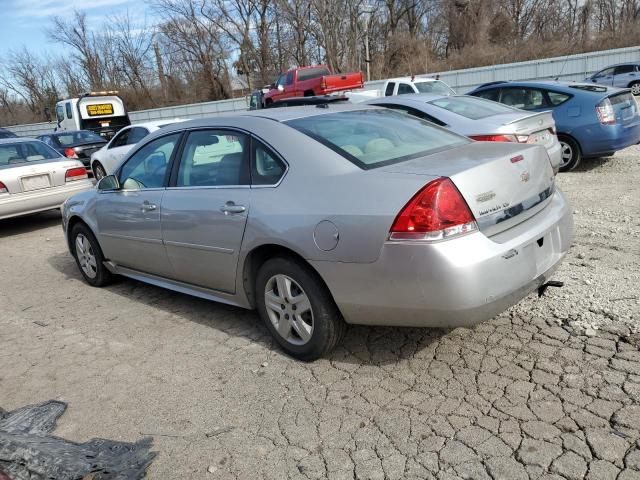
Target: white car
(106,160)
(402,86)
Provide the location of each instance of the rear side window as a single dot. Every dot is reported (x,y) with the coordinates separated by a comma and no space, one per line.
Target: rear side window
(315,72)
(389,90)
(404,88)
(522,97)
(266,167)
(622,69)
(470,107)
(488,94)
(376,137)
(557,98)
(214,158)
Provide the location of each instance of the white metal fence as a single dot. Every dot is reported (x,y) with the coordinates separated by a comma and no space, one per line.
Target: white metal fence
(571,67)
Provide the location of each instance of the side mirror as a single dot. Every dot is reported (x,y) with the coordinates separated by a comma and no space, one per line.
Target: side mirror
(110,182)
(281,88)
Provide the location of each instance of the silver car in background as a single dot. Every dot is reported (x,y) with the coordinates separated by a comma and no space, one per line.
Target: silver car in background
(482,120)
(34,177)
(320,215)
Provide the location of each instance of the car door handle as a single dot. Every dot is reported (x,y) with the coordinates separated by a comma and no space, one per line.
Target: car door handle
(147,207)
(230,208)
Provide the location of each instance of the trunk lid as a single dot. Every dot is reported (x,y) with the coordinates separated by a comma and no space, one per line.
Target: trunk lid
(625,107)
(35,175)
(538,127)
(504,184)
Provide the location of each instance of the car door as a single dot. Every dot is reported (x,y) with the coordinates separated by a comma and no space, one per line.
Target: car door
(129,225)
(623,75)
(205,208)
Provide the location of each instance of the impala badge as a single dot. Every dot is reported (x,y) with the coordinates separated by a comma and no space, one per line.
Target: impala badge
(485,197)
(525,177)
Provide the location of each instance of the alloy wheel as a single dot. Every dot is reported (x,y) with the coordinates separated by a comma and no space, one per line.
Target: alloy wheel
(86,257)
(566,153)
(99,173)
(635,89)
(289,309)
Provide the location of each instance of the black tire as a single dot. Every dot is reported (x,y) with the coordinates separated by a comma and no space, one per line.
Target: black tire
(102,276)
(309,93)
(635,88)
(571,154)
(98,171)
(328,324)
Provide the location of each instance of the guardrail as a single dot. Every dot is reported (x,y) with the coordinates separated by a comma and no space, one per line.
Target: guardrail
(570,67)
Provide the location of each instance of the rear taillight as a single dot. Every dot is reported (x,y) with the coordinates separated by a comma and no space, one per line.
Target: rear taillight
(3,188)
(495,138)
(70,153)
(74,174)
(605,112)
(438,211)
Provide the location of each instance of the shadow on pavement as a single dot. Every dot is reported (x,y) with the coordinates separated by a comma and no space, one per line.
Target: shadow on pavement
(29,223)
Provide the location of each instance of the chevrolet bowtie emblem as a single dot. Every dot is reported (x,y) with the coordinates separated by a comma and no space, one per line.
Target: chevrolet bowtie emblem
(525,177)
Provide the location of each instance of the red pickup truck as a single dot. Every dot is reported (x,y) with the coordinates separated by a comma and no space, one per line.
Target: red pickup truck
(310,81)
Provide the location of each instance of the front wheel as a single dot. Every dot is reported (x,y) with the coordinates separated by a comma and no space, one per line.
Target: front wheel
(99,171)
(298,309)
(88,256)
(570,153)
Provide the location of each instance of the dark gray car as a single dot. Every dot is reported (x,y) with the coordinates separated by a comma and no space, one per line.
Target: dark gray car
(317,216)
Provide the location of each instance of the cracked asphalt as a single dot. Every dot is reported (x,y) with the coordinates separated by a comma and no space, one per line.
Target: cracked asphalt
(549,389)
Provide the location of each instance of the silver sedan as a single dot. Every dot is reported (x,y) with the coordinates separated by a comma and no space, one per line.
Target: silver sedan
(34,177)
(317,216)
(482,120)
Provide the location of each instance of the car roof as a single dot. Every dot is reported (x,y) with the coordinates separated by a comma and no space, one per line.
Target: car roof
(156,123)
(18,140)
(412,98)
(563,85)
(413,79)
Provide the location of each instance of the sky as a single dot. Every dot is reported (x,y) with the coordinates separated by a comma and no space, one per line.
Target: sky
(26,21)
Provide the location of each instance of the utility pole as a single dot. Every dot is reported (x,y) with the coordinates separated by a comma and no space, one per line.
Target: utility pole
(163,80)
(367,9)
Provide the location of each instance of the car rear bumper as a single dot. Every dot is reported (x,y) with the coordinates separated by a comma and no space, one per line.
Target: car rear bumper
(555,156)
(13,205)
(457,282)
(611,138)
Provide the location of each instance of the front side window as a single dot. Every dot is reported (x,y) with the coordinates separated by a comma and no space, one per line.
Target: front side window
(60,113)
(470,107)
(23,152)
(121,139)
(604,73)
(290,78)
(280,81)
(389,90)
(214,158)
(488,94)
(522,97)
(147,167)
(266,168)
(404,88)
(69,111)
(435,86)
(376,137)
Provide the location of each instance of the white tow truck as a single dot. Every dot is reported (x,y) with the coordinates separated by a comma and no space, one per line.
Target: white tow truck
(101,112)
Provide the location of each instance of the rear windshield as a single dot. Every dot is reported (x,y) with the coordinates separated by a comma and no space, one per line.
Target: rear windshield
(22,152)
(376,137)
(471,107)
(434,87)
(309,73)
(78,138)
(624,99)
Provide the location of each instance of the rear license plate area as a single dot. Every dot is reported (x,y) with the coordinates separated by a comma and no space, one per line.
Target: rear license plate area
(35,182)
(543,248)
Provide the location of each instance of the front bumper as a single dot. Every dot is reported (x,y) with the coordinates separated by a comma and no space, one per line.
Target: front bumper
(457,282)
(13,205)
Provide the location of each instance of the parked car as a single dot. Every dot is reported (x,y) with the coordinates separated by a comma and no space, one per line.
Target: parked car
(623,75)
(591,120)
(315,215)
(310,81)
(80,144)
(480,119)
(4,133)
(107,159)
(402,86)
(101,112)
(35,178)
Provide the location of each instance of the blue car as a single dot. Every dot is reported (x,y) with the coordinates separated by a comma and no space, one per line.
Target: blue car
(622,75)
(591,120)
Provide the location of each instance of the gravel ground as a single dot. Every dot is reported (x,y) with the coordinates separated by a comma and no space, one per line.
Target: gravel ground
(549,389)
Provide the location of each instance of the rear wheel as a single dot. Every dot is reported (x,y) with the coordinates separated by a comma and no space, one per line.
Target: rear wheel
(635,88)
(297,308)
(88,255)
(570,153)
(98,171)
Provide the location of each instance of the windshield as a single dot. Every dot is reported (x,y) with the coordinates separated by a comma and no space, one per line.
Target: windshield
(22,152)
(77,138)
(376,137)
(434,87)
(471,107)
